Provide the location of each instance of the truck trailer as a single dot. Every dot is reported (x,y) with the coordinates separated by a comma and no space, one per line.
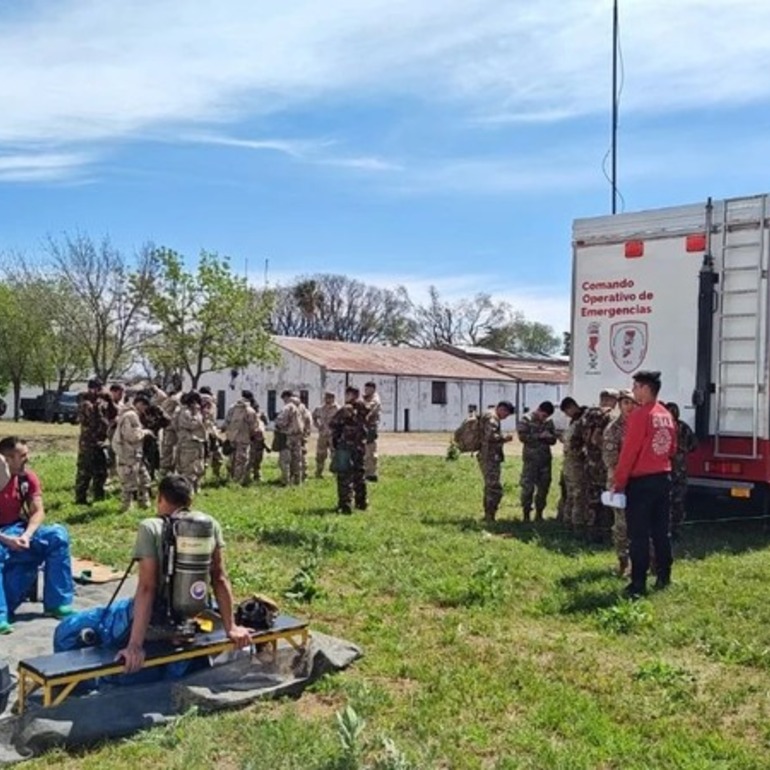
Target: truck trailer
(684,290)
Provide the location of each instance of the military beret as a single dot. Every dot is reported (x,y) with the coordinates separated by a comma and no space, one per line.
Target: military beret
(609,393)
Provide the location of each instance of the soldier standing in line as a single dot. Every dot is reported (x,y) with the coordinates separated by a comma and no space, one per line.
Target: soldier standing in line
(491,456)
(572,467)
(537,434)
(349,430)
(587,440)
(372,401)
(169,405)
(213,453)
(190,430)
(686,442)
(240,424)
(258,446)
(95,411)
(128,445)
(154,420)
(306,420)
(288,426)
(117,394)
(612,443)
(322,416)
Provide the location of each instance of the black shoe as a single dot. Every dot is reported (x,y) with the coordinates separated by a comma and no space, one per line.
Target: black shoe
(527,516)
(372,478)
(346,509)
(361,506)
(634,592)
(662,583)
(538,515)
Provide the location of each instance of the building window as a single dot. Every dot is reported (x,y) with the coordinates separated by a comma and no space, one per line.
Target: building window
(438,392)
(271,410)
(304,397)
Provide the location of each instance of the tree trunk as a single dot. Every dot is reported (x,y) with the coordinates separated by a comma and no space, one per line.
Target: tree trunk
(16,398)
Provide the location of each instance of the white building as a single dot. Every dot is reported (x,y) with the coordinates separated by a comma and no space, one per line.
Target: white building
(421,390)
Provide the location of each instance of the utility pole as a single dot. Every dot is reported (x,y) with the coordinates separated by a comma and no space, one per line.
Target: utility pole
(614,174)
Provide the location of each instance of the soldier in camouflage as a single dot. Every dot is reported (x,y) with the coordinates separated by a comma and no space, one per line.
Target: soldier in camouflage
(491,456)
(374,404)
(213,448)
(190,430)
(240,425)
(686,443)
(322,416)
(537,434)
(95,412)
(306,420)
(289,427)
(587,442)
(349,431)
(573,511)
(612,442)
(169,405)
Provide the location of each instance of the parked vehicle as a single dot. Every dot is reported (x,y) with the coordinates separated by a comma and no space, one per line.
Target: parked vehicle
(51,406)
(684,290)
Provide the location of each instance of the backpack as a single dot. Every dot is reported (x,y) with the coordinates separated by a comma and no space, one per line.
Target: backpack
(467,438)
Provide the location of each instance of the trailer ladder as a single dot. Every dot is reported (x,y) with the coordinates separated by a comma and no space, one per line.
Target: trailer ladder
(740,331)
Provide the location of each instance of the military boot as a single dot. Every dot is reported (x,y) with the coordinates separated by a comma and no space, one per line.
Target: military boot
(539,515)
(527,515)
(623,565)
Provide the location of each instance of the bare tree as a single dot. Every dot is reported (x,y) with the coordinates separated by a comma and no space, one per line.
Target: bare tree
(106,294)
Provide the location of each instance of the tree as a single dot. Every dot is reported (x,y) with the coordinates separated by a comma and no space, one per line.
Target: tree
(335,307)
(101,298)
(464,322)
(518,335)
(566,348)
(22,332)
(205,320)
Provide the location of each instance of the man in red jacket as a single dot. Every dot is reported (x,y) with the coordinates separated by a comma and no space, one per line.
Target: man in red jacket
(644,473)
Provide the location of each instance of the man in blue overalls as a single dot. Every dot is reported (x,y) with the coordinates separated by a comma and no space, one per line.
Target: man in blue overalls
(26,543)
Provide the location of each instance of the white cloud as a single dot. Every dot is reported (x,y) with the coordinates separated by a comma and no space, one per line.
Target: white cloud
(80,71)
(42,167)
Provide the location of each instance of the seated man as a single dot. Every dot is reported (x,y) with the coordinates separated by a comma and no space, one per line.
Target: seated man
(25,543)
(146,612)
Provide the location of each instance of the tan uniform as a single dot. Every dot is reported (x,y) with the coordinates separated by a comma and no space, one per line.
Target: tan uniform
(169,405)
(289,423)
(370,455)
(240,426)
(191,440)
(612,442)
(572,465)
(127,443)
(322,416)
(306,418)
(257,449)
(490,458)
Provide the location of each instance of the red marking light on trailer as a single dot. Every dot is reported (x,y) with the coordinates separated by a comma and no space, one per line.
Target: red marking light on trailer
(696,242)
(725,468)
(634,249)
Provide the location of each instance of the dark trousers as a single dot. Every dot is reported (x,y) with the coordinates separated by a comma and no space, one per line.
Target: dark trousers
(648,507)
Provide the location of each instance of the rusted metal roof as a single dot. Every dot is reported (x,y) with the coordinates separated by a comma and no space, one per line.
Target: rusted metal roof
(532,371)
(379,359)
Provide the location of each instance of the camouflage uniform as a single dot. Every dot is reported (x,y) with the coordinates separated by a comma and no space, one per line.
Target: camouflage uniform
(257,448)
(322,416)
(686,443)
(574,504)
(213,452)
(587,441)
(288,423)
(128,445)
(95,411)
(155,421)
(490,458)
(371,458)
(349,431)
(612,442)
(169,405)
(306,420)
(240,425)
(191,440)
(537,436)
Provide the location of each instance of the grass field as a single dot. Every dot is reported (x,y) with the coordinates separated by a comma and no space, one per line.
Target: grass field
(501,649)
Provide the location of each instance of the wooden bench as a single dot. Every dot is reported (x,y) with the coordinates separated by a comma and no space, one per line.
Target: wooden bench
(65,670)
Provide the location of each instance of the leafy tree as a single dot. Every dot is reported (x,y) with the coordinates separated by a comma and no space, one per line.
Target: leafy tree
(205,320)
(519,335)
(566,347)
(22,330)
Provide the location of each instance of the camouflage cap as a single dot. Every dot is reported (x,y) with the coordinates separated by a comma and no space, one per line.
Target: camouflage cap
(624,394)
(609,393)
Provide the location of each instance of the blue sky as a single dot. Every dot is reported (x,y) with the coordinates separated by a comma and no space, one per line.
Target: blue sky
(446,142)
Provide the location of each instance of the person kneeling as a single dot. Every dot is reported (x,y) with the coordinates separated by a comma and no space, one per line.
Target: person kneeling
(166,598)
(26,543)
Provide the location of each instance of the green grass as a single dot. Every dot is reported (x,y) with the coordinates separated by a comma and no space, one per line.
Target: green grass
(502,649)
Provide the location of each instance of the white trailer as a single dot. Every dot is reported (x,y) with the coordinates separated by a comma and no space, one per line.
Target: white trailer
(684,290)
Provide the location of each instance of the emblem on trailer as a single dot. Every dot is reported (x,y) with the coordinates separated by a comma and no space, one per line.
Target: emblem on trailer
(628,345)
(592,343)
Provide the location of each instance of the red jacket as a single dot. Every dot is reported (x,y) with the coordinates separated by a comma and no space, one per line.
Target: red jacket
(649,444)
